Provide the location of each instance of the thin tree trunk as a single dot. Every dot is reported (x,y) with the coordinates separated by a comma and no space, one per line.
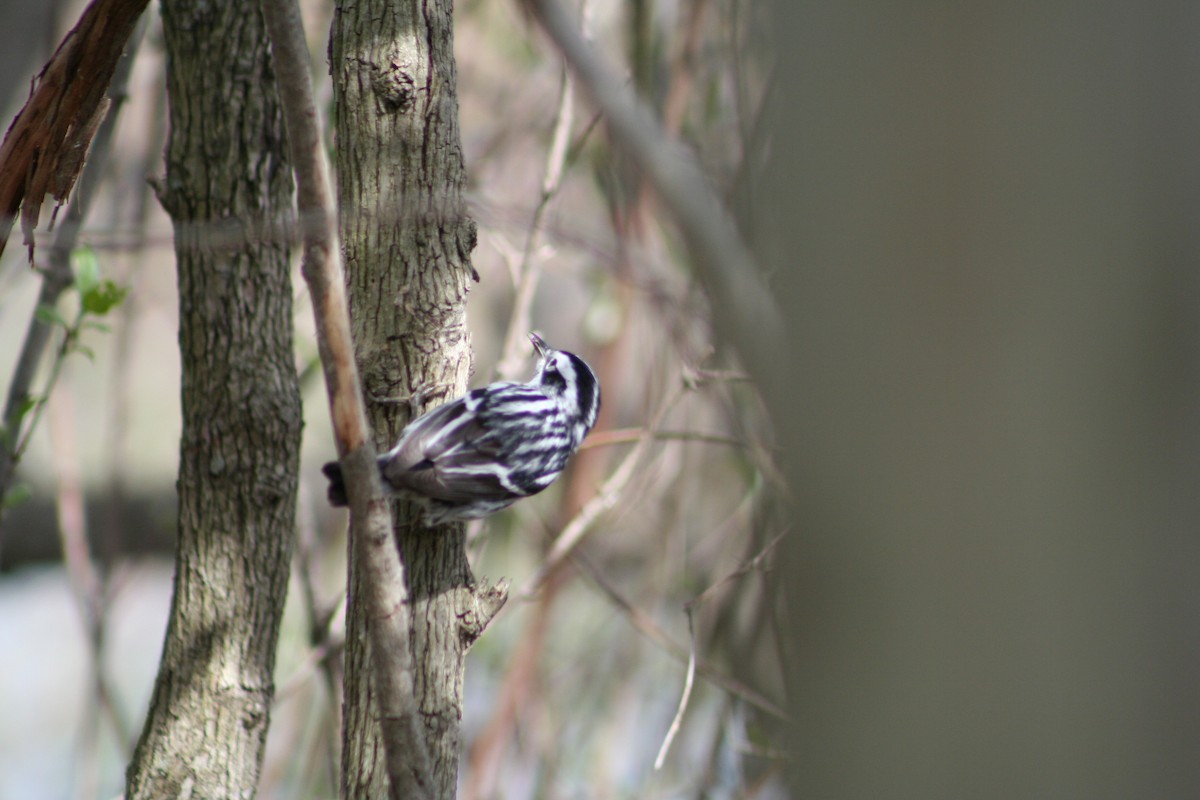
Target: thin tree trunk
(228,189)
(407,241)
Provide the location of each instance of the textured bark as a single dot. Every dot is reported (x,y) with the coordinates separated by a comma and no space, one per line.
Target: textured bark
(406,240)
(228,190)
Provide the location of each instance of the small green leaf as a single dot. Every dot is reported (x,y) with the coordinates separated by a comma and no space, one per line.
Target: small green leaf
(91,325)
(84,350)
(86,267)
(18,493)
(27,405)
(48,315)
(103,298)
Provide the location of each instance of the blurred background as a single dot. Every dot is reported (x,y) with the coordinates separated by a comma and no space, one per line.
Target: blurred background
(979,222)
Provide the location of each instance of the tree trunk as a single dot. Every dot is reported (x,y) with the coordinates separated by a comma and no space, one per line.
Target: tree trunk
(228,189)
(407,241)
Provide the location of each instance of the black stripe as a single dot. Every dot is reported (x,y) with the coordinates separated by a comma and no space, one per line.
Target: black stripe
(588,389)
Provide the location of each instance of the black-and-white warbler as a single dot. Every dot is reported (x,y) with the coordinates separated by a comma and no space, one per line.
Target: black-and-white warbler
(484,451)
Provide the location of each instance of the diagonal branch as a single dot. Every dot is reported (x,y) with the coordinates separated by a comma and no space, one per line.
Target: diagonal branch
(529,270)
(57,277)
(748,315)
(371,524)
(646,625)
(608,495)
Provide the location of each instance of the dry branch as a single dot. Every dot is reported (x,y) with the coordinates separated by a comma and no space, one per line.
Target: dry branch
(747,314)
(408,761)
(56,279)
(46,145)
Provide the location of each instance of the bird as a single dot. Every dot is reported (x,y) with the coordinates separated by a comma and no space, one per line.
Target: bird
(496,444)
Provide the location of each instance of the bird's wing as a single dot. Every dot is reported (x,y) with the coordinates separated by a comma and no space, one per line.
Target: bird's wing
(454,453)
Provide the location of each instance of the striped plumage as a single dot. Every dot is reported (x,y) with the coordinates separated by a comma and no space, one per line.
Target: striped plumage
(493,446)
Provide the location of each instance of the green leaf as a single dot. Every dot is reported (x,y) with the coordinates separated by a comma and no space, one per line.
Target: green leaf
(86,267)
(48,315)
(18,493)
(8,439)
(84,350)
(103,298)
(26,405)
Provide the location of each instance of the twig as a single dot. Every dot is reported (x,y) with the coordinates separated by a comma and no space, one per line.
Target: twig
(751,565)
(696,376)
(634,435)
(580,525)
(676,723)
(88,585)
(748,315)
(651,630)
(319,656)
(319,615)
(409,767)
(528,271)
(683,69)
(56,279)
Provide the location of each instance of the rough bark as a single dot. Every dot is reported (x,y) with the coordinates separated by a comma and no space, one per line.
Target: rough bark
(228,190)
(377,559)
(406,241)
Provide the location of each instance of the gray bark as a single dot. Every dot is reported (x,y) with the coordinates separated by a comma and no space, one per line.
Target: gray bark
(228,189)
(406,241)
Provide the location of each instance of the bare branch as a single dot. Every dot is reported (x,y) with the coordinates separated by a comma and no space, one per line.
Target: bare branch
(643,623)
(320,617)
(748,313)
(688,680)
(750,566)
(528,270)
(581,524)
(371,523)
(56,278)
(633,435)
(89,587)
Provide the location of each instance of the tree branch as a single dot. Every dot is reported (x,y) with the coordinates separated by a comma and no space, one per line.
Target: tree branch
(744,310)
(646,625)
(371,522)
(528,271)
(46,145)
(57,277)
(581,524)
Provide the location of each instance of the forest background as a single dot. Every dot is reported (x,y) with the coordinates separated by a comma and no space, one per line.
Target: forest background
(979,226)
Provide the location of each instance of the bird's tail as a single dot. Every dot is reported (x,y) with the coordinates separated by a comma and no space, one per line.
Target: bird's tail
(337,485)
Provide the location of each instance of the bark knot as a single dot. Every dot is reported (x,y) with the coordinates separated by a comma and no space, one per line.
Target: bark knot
(482,604)
(395,87)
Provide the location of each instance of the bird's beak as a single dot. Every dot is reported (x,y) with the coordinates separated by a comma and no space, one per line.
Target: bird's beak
(538,345)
